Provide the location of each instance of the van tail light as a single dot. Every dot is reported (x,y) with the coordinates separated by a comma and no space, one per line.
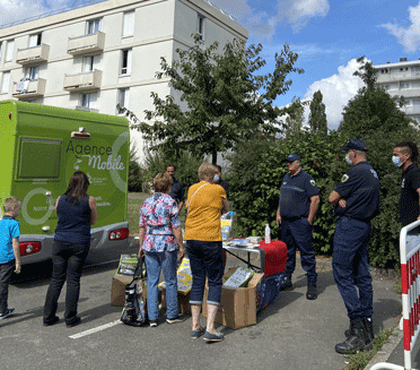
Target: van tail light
(28,248)
(119,234)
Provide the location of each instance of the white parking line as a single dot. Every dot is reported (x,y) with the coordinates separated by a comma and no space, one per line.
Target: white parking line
(95,330)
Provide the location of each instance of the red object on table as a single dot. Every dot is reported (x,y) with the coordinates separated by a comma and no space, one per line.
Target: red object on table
(275,257)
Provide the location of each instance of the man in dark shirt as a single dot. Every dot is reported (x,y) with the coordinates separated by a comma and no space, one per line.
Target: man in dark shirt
(298,205)
(218,180)
(405,155)
(356,201)
(177,192)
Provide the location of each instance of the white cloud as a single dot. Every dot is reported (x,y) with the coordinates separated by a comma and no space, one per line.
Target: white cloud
(261,23)
(337,90)
(409,37)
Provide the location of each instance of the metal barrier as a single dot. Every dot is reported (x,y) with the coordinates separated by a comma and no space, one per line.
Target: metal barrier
(410,272)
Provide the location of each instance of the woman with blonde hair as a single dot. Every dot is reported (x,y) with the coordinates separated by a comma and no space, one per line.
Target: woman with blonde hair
(205,204)
(160,232)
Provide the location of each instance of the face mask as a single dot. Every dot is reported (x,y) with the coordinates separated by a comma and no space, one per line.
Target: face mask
(216,178)
(348,160)
(396,161)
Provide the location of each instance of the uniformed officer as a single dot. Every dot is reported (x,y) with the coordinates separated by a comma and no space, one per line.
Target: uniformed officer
(298,205)
(356,200)
(405,155)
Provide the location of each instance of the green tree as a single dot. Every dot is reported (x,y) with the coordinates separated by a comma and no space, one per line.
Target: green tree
(224,99)
(294,117)
(134,171)
(317,116)
(372,109)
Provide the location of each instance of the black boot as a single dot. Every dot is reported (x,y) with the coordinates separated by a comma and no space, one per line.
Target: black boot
(367,321)
(312,292)
(286,283)
(357,341)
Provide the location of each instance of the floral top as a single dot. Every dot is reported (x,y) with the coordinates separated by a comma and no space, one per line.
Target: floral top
(159,215)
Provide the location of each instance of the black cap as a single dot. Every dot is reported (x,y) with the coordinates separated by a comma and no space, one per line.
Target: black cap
(356,144)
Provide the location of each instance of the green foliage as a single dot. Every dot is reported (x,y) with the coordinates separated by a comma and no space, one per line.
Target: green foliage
(317,115)
(224,100)
(294,118)
(372,109)
(134,171)
(186,167)
(256,173)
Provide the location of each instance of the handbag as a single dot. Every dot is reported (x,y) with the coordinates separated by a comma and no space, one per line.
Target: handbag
(134,312)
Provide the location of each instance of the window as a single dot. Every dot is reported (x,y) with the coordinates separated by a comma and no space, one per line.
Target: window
(88,101)
(93,26)
(35,40)
(5,82)
(128,26)
(89,63)
(123,98)
(1,49)
(39,159)
(126,62)
(9,50)
(200,27)
(404,85)
(31,73)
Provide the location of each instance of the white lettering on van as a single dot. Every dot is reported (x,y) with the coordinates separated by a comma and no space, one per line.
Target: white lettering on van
(95,161)
(88,150)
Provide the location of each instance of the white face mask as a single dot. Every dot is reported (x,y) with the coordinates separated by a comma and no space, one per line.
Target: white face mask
(348,160)
(216,179)
(396,161)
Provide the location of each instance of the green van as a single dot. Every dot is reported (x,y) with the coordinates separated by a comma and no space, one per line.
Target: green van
(41,147)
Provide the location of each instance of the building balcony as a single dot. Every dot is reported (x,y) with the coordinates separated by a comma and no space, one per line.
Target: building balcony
(83,81)
(33,55)
(411,110)
(396,77)
(86,44)
(29,89)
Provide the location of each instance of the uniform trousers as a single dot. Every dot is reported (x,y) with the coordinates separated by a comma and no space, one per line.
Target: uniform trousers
(297,234)
(351,267)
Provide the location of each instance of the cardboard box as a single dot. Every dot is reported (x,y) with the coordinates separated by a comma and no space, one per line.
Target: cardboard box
(238,306)
(183,302)
(118,289)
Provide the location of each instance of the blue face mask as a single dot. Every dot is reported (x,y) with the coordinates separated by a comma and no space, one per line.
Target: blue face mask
(216,178)
(396,161)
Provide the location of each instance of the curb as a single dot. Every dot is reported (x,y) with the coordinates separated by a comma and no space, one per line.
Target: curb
(386,350)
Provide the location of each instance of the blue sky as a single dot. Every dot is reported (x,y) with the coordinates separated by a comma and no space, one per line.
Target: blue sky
(328,35)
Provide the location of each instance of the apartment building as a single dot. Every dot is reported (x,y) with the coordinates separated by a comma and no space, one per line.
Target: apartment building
(402,79)
(106,53)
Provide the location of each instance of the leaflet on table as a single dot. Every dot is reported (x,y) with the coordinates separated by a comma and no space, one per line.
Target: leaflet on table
(239,278)
(184,277)
(246,243)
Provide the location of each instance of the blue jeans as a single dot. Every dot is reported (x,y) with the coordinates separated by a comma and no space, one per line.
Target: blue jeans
(351,267)
(205,260)
(68,262)
(155,261)
(297,234)
(6,270)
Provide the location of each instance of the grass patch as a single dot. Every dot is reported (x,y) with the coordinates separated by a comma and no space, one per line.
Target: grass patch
(133,209)
(360,360)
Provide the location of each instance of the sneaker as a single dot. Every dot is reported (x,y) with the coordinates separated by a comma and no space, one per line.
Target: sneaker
(195,334)
(77,320)
(286,283)
(153,323)
(55,320)
(176,320)
(7,313)
(311,293)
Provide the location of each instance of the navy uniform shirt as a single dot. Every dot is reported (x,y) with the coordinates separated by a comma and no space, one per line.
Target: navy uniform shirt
(360,188)
(409,200)
(177,192)
(295,194)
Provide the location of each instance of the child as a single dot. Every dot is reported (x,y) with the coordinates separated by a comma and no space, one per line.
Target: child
(9,250)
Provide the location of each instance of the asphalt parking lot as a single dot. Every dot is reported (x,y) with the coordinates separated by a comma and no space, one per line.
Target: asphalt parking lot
(292,333)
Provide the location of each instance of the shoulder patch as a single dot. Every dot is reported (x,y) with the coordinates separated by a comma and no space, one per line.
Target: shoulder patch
(312,182)
(345,178)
